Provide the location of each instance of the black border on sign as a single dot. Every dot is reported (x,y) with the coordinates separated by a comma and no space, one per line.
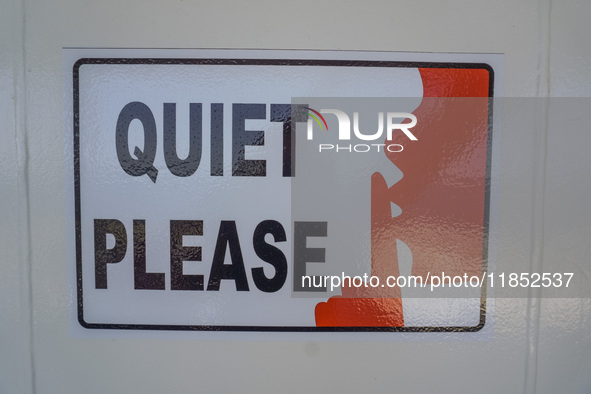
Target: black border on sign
(274,62)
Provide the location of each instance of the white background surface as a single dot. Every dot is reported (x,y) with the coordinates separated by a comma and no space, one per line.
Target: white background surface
(536,347)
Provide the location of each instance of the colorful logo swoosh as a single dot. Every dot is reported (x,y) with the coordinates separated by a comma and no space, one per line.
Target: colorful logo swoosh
(316,119)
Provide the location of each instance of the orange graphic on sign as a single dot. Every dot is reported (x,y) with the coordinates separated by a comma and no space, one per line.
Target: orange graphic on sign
(441,195)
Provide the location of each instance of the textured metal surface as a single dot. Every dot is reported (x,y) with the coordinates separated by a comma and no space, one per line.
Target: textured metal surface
(540,347)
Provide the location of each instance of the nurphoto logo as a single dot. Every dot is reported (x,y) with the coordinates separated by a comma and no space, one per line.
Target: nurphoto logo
(393,123)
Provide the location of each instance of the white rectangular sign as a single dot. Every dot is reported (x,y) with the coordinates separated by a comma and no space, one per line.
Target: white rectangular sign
(277,190)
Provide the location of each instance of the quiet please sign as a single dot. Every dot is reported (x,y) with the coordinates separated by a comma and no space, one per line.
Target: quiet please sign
(276,190)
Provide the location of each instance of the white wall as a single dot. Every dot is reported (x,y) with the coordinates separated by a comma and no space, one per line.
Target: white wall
(536,346)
